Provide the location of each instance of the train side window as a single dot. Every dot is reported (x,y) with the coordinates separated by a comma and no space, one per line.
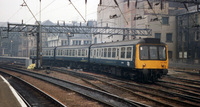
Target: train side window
(109,52)
(122,52)
(48,52)
(94,53)
(129,51)
(118,52)
(67,52)
(58,52)
(91,52)
(86,52)
(76,52)
(105,52)
(113,52)
(52,52)
(97,52)
(73,52)
(70,52)
(83,52)
(102,52)
(61,52)
(79,52)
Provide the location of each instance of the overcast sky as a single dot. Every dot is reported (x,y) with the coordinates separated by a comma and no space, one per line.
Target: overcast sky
(54,10)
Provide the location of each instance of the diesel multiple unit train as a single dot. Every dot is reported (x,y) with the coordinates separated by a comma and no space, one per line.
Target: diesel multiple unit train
(142,59)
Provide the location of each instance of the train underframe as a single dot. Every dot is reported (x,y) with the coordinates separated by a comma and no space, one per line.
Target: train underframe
(140,75)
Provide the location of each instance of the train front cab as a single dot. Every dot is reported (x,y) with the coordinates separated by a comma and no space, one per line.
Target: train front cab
(151,61)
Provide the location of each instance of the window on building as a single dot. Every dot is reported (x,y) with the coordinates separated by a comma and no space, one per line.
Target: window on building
(165,20)
(158,35)
(63,42)
(169,37)
(170,54)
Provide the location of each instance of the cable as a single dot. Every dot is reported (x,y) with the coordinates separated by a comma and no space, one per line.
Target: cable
(41,10)
(15,13)
(30,11)
(77,10)
(121,11)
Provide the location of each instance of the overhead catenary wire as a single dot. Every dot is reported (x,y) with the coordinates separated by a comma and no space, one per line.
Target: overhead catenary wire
(25,4)
(77,10)
(121,11)
(14,13)
(41,10)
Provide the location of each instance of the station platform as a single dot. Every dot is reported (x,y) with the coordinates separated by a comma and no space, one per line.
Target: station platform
(8,95)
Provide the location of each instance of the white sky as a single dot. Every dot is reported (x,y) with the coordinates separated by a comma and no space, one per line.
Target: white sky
(12,12)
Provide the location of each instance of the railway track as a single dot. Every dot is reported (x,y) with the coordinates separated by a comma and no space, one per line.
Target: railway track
(190,81)
(101,96)
(144,91)
(187,72)
(31,95)
(130,86)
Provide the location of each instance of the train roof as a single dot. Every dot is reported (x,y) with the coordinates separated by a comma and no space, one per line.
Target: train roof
(75,46)
(117,43)
(129,42)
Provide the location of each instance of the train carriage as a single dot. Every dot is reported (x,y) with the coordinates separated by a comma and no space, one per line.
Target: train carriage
(143,59)
(73,56)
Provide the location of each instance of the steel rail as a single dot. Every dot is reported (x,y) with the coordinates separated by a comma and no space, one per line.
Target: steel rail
(101,96)
(186,80)
(191,86)
(53,100)
(93,77)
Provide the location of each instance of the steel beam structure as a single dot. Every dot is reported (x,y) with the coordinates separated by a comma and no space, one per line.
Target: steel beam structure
(78,30)
(24,28)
